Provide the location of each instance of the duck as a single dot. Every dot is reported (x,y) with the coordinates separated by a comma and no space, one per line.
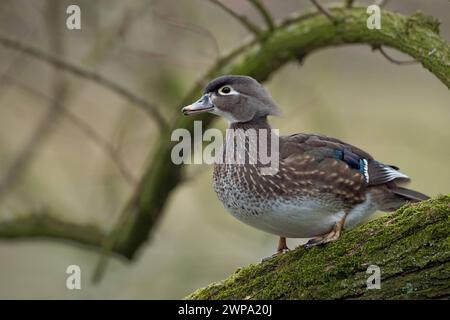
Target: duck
(321,186)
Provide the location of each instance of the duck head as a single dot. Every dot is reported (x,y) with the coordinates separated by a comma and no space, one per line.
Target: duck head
(238,99)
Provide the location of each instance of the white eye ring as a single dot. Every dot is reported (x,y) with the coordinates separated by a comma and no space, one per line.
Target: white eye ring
(227,90)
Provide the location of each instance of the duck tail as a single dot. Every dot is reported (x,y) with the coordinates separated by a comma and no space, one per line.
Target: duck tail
(410,195)
(396,197)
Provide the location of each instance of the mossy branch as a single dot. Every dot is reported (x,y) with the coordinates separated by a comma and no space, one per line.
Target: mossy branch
(50,226)
(417,36)
(411,247)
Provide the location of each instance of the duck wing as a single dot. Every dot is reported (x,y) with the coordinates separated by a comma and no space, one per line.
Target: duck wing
(323,149)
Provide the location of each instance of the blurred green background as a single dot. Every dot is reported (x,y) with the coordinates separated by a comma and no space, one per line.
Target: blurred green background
(158,49)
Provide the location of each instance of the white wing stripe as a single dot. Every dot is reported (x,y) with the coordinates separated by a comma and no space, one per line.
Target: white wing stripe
(393,174)
(366,170)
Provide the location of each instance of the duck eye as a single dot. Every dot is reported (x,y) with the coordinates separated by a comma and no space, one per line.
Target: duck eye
(225,90)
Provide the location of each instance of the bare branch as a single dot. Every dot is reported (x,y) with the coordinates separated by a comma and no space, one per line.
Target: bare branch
(45,225)
(389,58)
(110,35)
(88,130)
(24,156)
(86,74)
(324,10)
(17,63)
(45,126)
(241,18)
(108,244)
(264,13)
(104,144)
(190,27)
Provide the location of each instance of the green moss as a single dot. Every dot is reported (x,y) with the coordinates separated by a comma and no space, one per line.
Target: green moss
(422,20)
(411,247)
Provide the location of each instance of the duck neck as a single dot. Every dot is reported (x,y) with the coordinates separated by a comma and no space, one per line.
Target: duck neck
(245,141)
(256,123)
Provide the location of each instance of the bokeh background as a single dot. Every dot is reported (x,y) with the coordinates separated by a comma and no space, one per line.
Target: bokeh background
(159,49)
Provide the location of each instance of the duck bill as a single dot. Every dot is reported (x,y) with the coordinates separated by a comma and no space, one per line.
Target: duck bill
(204,104)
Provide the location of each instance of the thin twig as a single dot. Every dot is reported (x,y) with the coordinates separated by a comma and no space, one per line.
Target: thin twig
(110,35)
(18,61)
(107,247)
(385,54)
(25,154)
(190,27)
(264,13)
(87,129)
(241,18)
(324,10)
(86,74)
(43,129)
(16,65)
(104,144)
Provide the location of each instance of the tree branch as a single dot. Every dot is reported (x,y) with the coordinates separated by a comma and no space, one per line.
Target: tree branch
(390,59)
(410,247)
(324,10)
(88,130)
(264,13)
(241,18)
(189,27)
(56,62)
(45,126)
(43,225)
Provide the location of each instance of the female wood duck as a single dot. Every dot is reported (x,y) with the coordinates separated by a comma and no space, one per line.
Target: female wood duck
(322,186)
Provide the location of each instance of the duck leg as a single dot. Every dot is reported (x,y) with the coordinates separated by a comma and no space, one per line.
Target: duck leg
(333,235)
(282,246)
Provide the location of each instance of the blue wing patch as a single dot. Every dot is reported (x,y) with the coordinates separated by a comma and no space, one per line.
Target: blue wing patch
(354,161)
